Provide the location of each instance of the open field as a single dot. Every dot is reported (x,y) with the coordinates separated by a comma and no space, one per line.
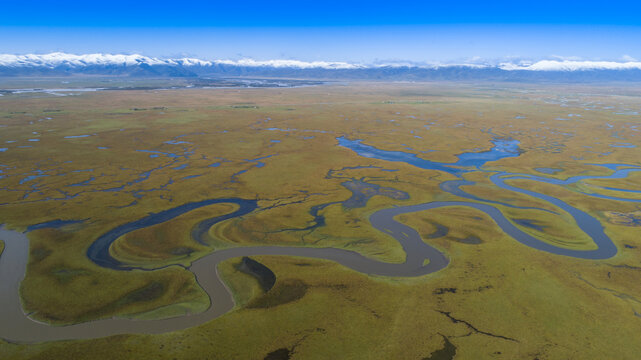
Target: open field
(76,167)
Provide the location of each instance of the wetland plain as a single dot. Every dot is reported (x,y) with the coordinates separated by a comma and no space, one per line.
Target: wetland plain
(352,220)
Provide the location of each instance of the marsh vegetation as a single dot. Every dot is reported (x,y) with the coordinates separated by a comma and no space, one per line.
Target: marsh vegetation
(98,166)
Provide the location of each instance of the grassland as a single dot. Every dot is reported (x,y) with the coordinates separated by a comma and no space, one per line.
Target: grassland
(147,151)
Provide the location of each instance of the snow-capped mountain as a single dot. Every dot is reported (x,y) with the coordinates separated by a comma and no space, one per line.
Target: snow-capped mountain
(61,64)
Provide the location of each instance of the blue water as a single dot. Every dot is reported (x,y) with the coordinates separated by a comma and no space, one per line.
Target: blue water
(56,224)
(623,145)
(503,148)
(509,148)
(155,153)
(83,183)
(98,252)
(76,136)
(176,142)
(30,177)
(190,177)
(259,164)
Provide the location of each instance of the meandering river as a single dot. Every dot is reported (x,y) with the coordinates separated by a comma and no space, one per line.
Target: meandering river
(421,258)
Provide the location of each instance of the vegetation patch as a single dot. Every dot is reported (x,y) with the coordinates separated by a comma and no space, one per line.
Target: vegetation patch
(626,219)
(285,291)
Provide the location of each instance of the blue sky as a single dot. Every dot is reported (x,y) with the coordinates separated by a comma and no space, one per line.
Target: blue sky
(359,31)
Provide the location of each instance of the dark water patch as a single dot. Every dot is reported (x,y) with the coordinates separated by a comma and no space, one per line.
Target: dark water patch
(279,354)
(266,278)
(629,246)
(623,145)
(154,153)
(234,177)
(285,291)
(532,224)
(259,164)
(177,142)
(83,183)
(620,189)
(441,230)
(55,224)
(441,291)
(447,352)
(363,191)
(133,203)
(470,240)
(474,328)
(30,178)
(190,177)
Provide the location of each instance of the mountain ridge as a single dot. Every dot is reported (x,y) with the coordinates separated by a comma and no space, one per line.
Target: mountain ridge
(64,64)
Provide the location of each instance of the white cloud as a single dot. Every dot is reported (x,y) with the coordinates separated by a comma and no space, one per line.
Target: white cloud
(290,64)
(570,65)
(57,59)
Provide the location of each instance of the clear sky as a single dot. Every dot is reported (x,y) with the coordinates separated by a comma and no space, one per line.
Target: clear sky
(359,31)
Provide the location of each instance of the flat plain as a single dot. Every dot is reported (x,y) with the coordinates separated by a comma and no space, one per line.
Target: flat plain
(76,167)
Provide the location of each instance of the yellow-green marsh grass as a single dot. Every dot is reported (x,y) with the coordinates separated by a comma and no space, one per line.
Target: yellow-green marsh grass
(496,299)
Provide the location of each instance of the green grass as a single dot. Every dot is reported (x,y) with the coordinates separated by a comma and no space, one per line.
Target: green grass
(551,306)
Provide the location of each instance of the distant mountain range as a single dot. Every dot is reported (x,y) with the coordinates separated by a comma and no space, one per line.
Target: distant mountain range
(62,64)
